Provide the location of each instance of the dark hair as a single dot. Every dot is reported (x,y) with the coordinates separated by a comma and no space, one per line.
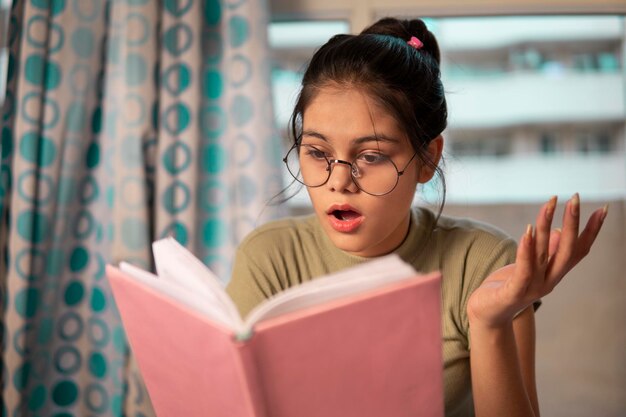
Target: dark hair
(406,81)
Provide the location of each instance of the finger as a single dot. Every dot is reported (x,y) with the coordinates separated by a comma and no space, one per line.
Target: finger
(583,245)
(567,243)
(524,265)
(555,237)
(542,233)
(589,234)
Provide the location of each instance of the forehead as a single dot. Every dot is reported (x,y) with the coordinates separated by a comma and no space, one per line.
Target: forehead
(349,112)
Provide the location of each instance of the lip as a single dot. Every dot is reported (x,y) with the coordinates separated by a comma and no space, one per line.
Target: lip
(344,226)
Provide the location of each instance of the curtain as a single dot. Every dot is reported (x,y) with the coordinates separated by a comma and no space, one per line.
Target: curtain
(124,121)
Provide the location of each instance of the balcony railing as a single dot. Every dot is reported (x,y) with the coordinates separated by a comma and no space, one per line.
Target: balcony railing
(528,98)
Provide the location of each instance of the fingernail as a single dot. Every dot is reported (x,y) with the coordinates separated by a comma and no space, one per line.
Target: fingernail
(558,230)
(575,204)
(550,208)
(529,231)
(605,211)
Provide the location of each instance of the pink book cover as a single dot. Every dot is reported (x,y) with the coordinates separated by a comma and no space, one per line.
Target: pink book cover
(191,366)
(374,354)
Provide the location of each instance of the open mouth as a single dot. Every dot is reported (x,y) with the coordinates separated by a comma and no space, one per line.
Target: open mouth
(344,218)
(345,215)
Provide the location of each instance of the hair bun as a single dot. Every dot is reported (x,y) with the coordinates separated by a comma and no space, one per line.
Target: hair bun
(405,29)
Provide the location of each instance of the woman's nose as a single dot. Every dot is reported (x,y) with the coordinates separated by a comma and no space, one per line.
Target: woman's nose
(341,177)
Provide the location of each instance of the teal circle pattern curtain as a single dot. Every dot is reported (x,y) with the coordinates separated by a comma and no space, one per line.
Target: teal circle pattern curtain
(124,121)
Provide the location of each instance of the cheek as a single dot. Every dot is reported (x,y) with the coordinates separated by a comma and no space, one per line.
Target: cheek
(399,203)
(392,206)
(407,186)
(315,196)
(414,176)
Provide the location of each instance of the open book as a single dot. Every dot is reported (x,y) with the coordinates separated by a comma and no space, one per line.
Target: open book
(363,342)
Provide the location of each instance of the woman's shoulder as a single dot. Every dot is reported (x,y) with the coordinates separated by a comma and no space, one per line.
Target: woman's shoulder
(464,234)
(452,225)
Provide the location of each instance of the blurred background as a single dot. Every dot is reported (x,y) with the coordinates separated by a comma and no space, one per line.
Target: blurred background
(129,120)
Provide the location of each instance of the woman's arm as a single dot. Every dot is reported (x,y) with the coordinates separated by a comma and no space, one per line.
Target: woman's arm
(524,329)
(502,342)
(503,368)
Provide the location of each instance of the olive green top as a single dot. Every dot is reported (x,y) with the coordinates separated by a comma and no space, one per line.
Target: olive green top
(287,252)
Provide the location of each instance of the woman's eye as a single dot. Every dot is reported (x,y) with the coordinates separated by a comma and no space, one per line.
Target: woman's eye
(314,153)
(372,158)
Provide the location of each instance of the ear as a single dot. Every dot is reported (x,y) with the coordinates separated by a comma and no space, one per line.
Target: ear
(433,153)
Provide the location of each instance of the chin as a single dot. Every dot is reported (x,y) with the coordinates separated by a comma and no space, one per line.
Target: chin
(353,244)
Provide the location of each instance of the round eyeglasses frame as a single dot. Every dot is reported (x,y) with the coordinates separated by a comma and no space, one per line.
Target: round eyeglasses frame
(353,168)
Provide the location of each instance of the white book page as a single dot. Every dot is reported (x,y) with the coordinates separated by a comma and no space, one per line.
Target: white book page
(174,263)
(361,278)
(186,279)
(184,296)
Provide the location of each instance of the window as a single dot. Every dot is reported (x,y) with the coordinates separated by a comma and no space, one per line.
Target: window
(599,142)
(292,44)
(548,143)
(532,100)
(538,93)
(484,147)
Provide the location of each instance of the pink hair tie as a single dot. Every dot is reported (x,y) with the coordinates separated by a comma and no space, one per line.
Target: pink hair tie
(415,43)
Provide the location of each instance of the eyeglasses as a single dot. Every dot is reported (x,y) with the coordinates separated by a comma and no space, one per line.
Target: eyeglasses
(372,172)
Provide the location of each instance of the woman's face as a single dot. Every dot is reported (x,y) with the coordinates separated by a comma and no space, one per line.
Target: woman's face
(344,123)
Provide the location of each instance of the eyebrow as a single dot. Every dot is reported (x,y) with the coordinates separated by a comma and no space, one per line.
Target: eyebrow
(356,141)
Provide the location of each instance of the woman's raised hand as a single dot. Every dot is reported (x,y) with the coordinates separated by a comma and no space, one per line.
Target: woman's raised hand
(544,257)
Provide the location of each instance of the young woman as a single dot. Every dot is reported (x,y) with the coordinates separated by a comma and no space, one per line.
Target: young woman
(367,131)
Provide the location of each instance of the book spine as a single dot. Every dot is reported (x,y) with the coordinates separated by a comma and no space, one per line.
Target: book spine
(251,387)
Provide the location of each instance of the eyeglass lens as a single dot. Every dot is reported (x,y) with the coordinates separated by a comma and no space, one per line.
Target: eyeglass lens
(372,172)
